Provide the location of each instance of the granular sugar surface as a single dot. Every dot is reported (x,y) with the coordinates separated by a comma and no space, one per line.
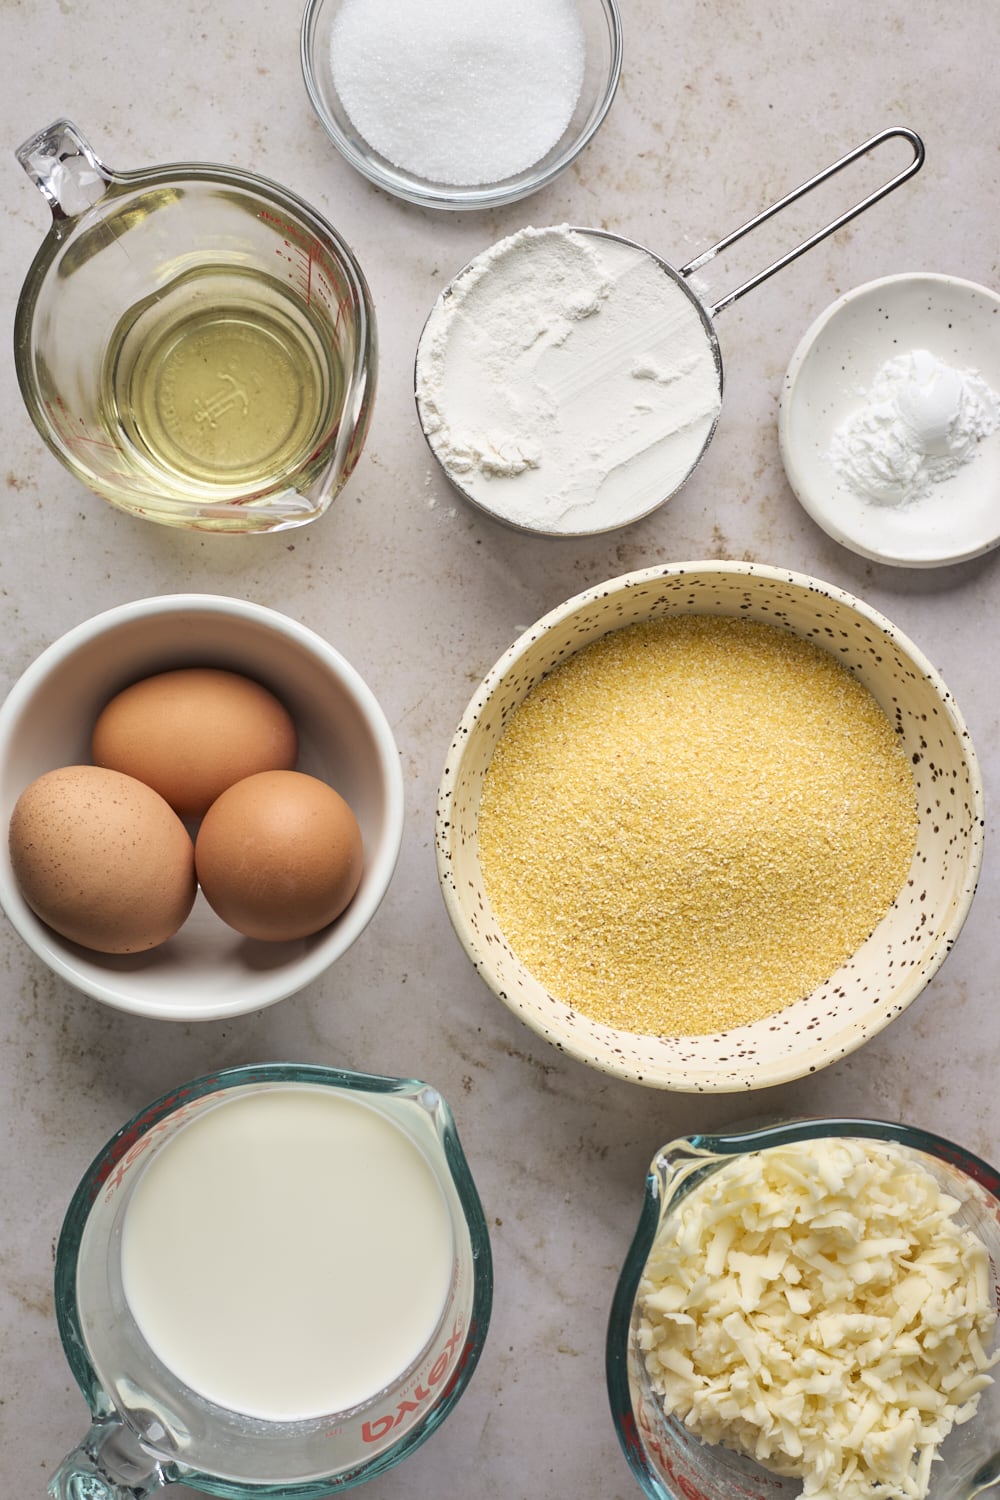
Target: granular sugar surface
(459,91)
(692,823)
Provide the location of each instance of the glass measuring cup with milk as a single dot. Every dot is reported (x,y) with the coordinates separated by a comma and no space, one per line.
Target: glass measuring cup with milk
(194,343)
(275,1280)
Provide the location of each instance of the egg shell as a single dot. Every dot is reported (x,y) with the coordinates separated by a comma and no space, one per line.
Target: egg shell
(192,732)
(279,855)
(102,859)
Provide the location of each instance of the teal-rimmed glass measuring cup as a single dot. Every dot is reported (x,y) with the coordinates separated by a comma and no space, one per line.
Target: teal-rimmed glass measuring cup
(194,343)
(149,1427)
(672,1463)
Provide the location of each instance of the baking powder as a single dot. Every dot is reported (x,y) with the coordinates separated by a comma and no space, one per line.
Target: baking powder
(566,381)
(459,91)
(920,423)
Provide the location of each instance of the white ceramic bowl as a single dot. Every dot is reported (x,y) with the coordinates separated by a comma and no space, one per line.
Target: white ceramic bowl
(206,971)
(602,69)
(956,321)
(886,973)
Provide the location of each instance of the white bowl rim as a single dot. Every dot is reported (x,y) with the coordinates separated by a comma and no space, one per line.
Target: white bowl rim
(704,1081)
(823,515)
(415,189)
(360,912)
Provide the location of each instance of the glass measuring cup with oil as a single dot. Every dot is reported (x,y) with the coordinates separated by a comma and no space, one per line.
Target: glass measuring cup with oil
(194,343)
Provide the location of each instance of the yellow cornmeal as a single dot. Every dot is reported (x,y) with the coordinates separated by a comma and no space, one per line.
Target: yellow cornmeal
(691,823)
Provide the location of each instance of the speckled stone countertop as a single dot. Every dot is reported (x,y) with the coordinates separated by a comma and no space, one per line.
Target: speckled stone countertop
(724,106)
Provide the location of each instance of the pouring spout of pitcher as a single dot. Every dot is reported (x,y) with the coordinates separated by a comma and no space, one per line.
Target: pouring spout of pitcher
(109,1464)
(65,169)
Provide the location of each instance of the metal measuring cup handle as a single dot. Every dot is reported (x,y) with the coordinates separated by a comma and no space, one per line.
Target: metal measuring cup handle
(914,165)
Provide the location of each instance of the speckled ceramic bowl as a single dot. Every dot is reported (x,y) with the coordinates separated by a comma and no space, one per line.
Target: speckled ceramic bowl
(895,963)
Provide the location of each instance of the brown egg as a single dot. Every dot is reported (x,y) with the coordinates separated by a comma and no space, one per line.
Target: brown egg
(279,855)
(102,859)
(192,732)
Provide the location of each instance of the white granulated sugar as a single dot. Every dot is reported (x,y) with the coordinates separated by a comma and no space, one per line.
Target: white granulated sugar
(461,92)
(920,422)
(566,381)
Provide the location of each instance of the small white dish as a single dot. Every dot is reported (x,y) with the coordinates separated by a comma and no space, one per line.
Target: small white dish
(834,365)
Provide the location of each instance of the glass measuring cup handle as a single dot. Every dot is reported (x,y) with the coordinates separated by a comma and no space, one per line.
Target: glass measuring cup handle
(108,1465)
(65,168)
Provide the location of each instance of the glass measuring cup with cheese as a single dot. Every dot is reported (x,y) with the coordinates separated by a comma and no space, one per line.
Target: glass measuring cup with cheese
(275,1280)
(194,343)
(810,1308)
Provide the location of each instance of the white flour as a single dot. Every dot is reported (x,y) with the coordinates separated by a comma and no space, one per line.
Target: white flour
(920,423)
(566,382)
(459,91)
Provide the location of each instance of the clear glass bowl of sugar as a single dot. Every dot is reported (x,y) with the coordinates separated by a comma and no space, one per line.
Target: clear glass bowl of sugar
(457,106)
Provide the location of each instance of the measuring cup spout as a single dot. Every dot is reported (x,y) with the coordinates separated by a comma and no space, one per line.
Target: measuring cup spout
(65,169)
(108,1465)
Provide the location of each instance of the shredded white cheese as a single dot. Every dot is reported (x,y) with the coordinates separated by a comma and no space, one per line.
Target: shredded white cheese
(818,1307)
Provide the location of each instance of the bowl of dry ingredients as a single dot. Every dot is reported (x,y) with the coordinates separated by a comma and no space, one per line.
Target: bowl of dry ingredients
(710,826)
(459,106)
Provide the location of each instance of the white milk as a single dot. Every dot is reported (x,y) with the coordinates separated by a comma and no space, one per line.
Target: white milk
(288,1253)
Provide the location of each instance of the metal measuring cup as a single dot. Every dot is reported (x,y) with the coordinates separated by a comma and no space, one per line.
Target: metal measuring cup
(498,495)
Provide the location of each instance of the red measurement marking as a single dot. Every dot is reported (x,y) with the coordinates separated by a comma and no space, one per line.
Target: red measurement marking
(83,440)
(643,1443)
(300,273)
(73,430)
(311,268)
(301,236)
(141,1133)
